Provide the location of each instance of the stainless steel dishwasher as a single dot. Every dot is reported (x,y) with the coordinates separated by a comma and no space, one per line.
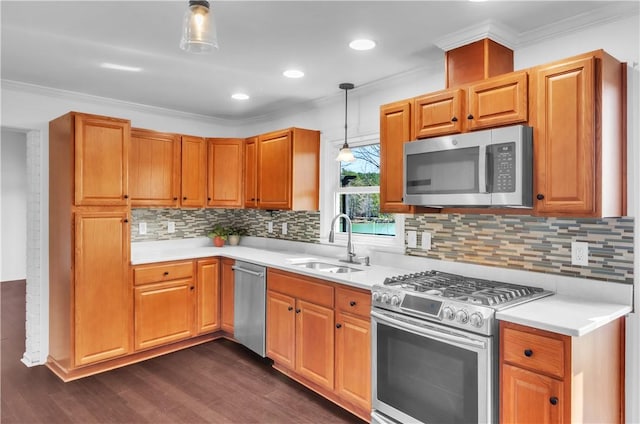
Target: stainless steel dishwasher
(249,305)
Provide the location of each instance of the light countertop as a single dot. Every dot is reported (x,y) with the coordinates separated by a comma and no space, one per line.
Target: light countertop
(568,314)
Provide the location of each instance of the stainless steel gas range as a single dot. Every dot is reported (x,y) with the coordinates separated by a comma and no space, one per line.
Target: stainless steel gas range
(435,346)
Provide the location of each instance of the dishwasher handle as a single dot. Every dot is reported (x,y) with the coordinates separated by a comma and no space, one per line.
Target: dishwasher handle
(248,271)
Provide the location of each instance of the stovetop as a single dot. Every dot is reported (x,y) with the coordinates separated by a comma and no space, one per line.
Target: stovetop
(454,300)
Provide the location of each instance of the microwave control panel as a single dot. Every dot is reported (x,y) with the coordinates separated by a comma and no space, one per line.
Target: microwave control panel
(504,167)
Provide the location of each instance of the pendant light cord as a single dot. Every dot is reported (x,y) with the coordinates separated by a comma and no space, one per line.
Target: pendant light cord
(346,91)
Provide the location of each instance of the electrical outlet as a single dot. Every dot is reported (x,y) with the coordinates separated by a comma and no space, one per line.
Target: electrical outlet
(171,227)
(426,240)
(284,228)
(142,228)
(269,227)
(579,253)
(412,239)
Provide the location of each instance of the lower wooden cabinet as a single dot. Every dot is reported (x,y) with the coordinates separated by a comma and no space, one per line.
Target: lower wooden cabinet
(227,282)
(208,295)
(552,378)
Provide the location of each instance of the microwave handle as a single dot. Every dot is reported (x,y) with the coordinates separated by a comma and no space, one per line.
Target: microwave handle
(483,168)
(488,174)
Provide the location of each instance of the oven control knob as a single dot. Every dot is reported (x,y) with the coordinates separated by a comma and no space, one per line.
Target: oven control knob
(448,313)
(376,296)
(385,298)
(462,317)
(476,320)
(395,301)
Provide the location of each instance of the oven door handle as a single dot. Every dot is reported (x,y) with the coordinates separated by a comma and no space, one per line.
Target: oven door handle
(427,330)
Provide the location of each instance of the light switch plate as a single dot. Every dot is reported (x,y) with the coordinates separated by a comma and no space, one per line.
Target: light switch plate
(426,240)
(412,239)
(269,227)
(142,228)
(171,227)
(284,228)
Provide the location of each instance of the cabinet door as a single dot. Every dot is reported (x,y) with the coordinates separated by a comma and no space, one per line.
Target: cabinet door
(281,328)
(101,161)
(163,313)
(226,293)
(498,101)
(101,293)
(564,139)
(353,359)
(315,343)
(250,174)
(224,172)
(274,170)
(208,296)
(528,397)
(439,113)
(154,168)
(395,129)
(194,171)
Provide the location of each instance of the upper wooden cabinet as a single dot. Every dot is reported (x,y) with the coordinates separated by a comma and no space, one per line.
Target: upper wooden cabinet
(225,164)
(286,171)
(476,61)
(100,149)
(154,170)
(395,130)
(578,139)
(193,172)
(489,103)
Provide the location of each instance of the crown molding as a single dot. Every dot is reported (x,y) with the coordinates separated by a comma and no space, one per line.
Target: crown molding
(491,29)
(57,93)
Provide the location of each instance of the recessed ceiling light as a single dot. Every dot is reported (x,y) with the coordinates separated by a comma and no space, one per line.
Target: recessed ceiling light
(117,67)
(362,44)
(293,73)
(240,96)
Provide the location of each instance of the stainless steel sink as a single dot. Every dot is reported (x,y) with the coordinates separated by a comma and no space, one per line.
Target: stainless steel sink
(327,267)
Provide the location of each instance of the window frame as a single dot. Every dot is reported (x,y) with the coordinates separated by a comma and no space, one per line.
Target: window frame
(329,201)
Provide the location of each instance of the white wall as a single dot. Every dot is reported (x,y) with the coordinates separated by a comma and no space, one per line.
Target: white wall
(13,155)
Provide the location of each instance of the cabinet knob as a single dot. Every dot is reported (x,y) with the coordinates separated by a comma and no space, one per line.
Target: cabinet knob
(470,116)
(297,311)
(338,325)
(166,273)
(253,198)
(184,198)
(553,400)
(528,353)
(175,198)
(290,308)
(454,119)
(209,198)
(352,303)
(191,288)
(126,196)
(540,196)
(126,220)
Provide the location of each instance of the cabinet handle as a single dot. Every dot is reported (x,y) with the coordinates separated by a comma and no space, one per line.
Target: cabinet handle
(338,325)
(528,353)
(454,119)
(297,311)
(352,303)
(553,400)
(540,196)
(290,308)
(166,273)
(470,116)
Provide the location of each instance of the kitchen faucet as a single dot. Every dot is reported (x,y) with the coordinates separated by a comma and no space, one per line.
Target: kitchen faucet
(351,254)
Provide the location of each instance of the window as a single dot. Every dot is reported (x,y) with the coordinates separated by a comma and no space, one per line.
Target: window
(354,189)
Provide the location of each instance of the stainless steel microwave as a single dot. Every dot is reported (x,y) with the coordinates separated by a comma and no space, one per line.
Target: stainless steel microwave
(489,168)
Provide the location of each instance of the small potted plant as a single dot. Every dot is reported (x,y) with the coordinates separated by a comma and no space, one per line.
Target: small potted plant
(234,235)
(218,234)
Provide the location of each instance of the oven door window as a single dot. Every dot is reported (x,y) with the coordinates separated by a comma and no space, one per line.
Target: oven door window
(429,380)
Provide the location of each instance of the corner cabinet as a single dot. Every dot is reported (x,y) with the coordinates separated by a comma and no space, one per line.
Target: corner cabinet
(283,170)
(579,150)
(90,301)
(552,378)
(225,176)
(154,168)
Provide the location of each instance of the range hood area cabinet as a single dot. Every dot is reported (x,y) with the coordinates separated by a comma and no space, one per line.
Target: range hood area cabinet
(90,298)
(576,108)
(282,170)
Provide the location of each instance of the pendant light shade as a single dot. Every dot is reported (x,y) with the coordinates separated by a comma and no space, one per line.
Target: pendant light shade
(345,154)
(198,28)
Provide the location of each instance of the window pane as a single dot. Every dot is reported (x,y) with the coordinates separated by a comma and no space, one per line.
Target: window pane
(364,211)
(365,170)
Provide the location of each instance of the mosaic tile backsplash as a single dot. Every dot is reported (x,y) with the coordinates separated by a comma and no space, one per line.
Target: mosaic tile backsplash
(189,223)
(530,243)
(508,241)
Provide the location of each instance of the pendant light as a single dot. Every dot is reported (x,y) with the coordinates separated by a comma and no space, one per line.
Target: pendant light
(345,154)
(198,28)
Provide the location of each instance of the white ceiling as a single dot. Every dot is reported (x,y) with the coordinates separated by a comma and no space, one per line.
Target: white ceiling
(60,44)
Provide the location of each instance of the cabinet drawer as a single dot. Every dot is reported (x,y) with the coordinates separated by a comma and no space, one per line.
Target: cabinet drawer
(353,301)
(300,287)
(534,351)
(164,272)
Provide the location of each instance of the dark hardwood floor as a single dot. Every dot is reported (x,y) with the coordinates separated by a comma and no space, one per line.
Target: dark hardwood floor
(217,382)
